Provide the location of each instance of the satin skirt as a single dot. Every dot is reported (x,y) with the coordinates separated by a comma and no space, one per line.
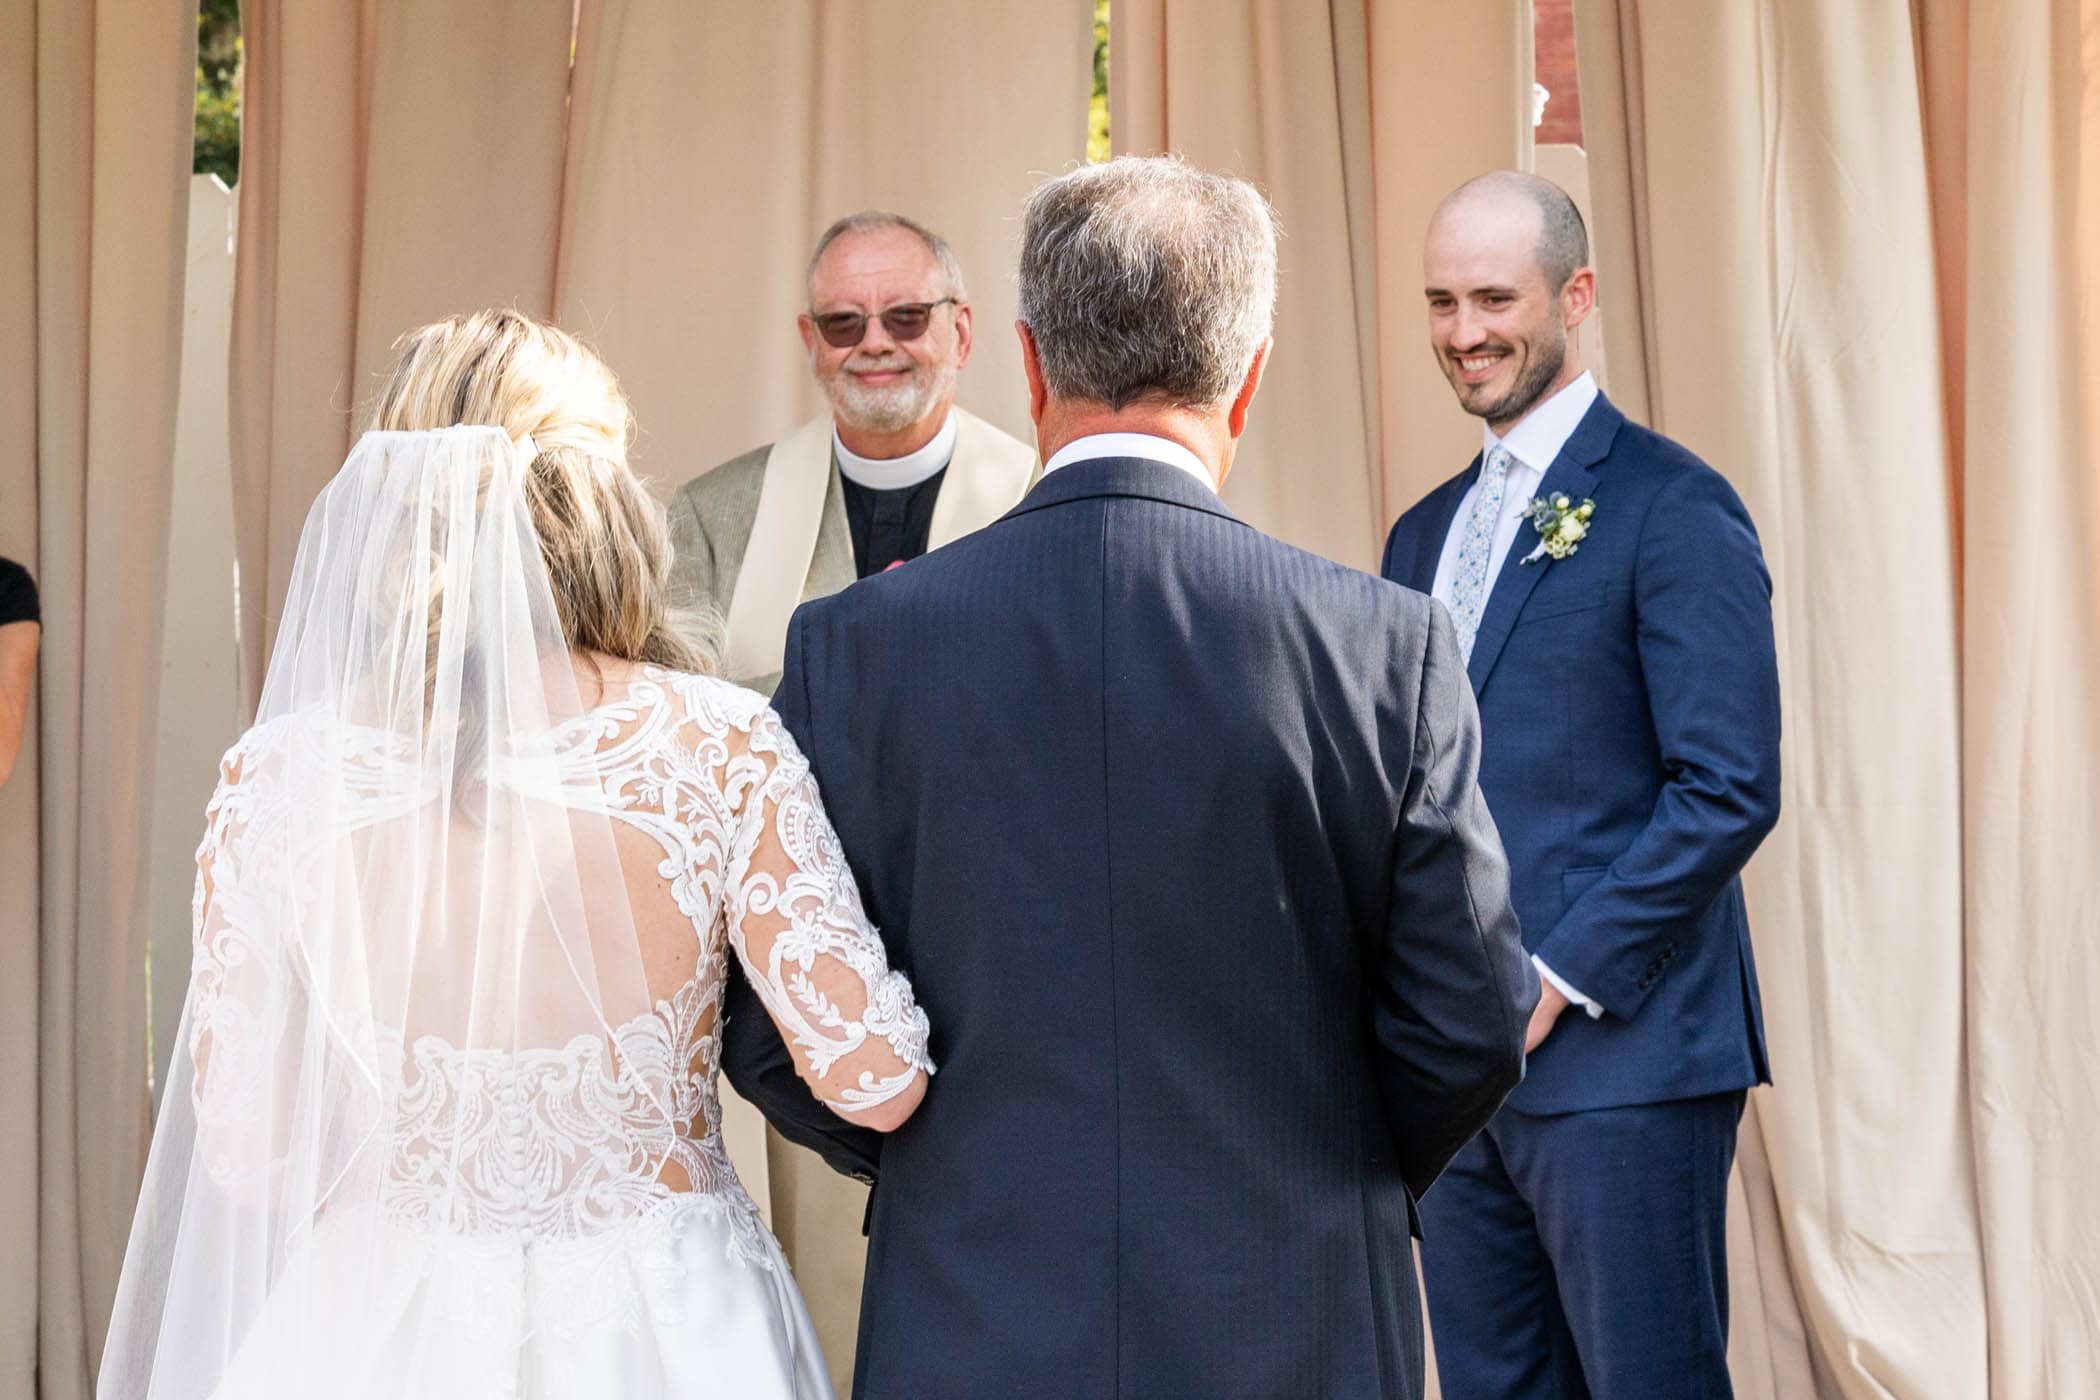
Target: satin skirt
(687,1302)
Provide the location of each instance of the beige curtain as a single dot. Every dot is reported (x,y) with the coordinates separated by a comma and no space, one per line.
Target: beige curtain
(20,931)
(400,162)
(1778,201)
(2013,128)
(1342,112)
(91,240)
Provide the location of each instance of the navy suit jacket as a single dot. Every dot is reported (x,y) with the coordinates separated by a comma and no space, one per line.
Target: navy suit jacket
(1176,830)
(1629,706)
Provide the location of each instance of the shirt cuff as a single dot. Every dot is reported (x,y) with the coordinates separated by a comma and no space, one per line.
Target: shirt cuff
(1575,998)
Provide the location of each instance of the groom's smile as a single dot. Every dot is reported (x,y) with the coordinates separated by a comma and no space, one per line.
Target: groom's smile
(1480,367)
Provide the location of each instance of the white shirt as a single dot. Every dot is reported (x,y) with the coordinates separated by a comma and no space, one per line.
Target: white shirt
(1532,444)
(1155,449)
(892,473)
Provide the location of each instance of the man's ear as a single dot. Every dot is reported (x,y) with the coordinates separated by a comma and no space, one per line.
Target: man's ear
(1032,366)
(807,329)
(964,336)
(1579,298)
(1236,420)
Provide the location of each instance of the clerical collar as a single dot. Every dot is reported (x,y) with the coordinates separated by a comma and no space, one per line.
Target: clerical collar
(894,473)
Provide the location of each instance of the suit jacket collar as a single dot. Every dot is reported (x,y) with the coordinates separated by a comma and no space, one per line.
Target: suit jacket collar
(1571,474)
(1122,476)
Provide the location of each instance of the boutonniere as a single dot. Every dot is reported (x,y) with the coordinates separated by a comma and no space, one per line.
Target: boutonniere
(1561,525)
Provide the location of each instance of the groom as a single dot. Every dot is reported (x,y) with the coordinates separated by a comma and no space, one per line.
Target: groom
(1176,830)
(1620,642)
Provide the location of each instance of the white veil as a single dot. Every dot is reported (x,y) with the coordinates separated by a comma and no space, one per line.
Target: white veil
(401,898)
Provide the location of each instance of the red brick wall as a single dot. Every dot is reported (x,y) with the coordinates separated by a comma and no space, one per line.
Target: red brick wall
(1553,41)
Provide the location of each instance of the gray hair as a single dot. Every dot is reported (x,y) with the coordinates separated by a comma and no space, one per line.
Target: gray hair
(1145,278)
(1564,240)
(873,220)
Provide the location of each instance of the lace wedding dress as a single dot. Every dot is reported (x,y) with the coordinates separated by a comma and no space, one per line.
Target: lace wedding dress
(449,1056)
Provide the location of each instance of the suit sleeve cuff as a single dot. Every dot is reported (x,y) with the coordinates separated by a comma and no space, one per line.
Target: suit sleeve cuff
(1590,1007)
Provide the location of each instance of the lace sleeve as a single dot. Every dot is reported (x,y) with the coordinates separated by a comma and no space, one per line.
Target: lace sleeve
(240,994)
(795,920)
(274,1086)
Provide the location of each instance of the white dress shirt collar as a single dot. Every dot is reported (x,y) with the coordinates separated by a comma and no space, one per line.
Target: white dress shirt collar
(1154,449)
(1542,433)
(892,473)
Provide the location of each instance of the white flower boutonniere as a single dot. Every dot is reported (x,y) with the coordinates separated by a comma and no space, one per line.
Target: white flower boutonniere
(1561,524)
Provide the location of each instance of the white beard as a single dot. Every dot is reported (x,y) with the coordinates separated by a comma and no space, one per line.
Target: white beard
(892,407)
(883,410)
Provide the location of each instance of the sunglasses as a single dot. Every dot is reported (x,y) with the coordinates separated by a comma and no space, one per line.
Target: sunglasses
(842,330)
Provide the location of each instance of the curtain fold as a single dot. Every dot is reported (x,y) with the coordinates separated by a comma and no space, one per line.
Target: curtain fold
(1614,131)
(20,838)
(2027,468)
(305,89)
(90,315)
(1450,98)
(400,162)
(1342,113)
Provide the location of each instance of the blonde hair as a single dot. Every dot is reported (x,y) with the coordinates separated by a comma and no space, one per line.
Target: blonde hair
(605,539)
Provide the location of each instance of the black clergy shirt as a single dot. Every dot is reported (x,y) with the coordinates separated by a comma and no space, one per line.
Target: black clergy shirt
(889,526)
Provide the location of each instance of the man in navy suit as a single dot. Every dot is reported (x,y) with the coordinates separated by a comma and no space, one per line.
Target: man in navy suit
(1177,832)
(1614,610)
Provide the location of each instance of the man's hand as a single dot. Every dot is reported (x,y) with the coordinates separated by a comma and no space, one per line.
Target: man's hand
(1551,1004)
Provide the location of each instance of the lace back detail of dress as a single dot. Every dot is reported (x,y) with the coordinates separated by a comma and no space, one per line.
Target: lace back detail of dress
(559,1142)
(550,1143)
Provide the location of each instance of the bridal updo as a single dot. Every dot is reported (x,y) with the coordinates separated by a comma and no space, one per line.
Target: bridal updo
(605,539)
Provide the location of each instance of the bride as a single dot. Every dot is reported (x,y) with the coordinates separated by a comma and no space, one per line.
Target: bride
(442,1120)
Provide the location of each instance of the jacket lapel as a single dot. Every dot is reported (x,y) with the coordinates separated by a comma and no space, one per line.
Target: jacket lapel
(1570,475)
(1429,541)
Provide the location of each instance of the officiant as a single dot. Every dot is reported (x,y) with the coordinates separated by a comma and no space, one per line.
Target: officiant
(893,470)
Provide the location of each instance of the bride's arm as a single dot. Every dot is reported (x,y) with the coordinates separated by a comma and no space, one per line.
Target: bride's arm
(241,994)
(795,920)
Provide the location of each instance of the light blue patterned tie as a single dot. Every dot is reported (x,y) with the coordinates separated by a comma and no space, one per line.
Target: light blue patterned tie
(1470,589)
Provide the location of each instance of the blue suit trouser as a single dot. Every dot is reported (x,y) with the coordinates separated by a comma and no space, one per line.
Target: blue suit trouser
(1585,1254)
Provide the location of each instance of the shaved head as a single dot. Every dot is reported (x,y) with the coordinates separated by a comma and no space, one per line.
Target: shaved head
(1563,240)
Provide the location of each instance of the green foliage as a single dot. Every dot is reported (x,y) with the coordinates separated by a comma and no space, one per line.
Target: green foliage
(1097,147)
(216,144)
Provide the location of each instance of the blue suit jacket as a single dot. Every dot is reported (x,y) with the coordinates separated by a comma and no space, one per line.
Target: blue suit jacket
(1629,706)
(1176,830)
